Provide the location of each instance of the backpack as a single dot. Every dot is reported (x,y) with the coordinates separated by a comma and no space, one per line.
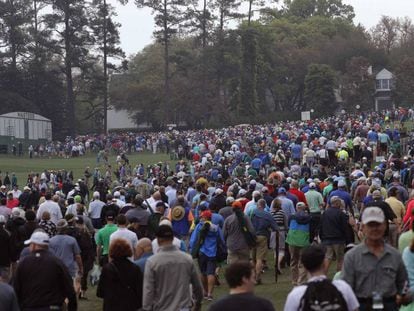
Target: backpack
(201,237)
(322,295)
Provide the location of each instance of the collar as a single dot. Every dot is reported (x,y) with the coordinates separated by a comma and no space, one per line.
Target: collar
(168,248)
(366,250)
(317,278)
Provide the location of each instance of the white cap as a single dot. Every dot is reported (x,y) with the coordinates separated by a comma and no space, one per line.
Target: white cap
(96,194)
(341,183)
(218,191)
(373,214)
(38,237)
(117,194)
(2,219)
(242,192)
(312,185)
(165,222)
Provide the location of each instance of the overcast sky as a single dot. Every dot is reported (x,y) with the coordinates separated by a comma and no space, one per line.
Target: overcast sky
(137,24)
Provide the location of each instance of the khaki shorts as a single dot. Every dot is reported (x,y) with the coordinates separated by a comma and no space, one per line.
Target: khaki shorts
(239,255)
(335,251)
(260,251)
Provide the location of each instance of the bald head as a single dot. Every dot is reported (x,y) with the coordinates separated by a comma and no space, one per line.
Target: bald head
(157,196)
(143,246)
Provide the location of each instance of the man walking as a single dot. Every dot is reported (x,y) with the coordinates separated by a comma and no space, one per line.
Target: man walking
(314,261)
(333,230)
(42,281)
(240,277)
(297,239)
(234,235)
(374,269)
(168,276)
(263,223)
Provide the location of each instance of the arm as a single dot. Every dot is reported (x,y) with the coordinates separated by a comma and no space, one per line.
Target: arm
(197,287)
(78,260)
(148,291)
(100,292)
(69,293)
(348,272)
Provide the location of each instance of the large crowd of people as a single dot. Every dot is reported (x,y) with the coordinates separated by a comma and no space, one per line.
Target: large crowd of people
(156,237)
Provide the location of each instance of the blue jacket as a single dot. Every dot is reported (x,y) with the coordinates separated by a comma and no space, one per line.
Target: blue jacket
(263,221)
(209,247)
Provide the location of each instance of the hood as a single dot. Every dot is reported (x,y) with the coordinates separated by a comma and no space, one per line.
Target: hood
(302,218)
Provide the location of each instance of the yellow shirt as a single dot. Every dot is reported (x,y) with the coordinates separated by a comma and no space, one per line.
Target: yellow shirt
(397,206)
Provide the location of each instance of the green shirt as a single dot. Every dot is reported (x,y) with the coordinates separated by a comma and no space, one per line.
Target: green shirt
(405,240)
(315,200)
(327,189)
(103,235)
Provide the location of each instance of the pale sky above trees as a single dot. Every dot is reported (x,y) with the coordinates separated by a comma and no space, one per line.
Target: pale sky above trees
(138,24)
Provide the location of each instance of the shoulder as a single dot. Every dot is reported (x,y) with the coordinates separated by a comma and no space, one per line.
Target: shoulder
(294,297)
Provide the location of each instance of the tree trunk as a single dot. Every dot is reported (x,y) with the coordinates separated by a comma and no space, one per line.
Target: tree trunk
(70,98)
(166,64)
(105,69)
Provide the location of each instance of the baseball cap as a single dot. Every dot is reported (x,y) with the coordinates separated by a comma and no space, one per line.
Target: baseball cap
(281,190)
(2,219)
(164,231)
(373,214)
(110,215)
(299,204)
(117,194)
(265,189)
(206,214)
(229,200)
(218,191)
(237,204)
(312,185)
(242,192)
(165,222)
(38,237)
(341,183)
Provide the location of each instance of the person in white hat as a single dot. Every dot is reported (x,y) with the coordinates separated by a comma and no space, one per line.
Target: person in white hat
(42,281)
(95,209)
(374,269)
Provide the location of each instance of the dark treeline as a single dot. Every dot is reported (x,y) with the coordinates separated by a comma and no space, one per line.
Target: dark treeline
(280,59)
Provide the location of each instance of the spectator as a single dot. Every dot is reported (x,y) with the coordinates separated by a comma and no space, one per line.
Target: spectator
(120,284)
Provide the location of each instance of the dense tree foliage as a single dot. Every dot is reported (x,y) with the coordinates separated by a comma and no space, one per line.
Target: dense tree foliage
(211,63)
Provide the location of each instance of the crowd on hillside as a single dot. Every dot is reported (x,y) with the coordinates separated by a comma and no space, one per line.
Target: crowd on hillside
(310,192)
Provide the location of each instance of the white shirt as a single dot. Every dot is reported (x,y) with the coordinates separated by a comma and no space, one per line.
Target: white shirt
(95,209)
(156,247)
(296,294)
(124,233)
(72,209)
(53,209)
(16,193)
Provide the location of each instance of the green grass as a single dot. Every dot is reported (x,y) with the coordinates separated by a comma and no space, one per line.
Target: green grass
(275,292)
(22,166)
(269,289)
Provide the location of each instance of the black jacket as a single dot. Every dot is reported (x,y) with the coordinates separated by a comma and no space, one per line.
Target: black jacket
(120,286)
(333,226)
(43,280)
